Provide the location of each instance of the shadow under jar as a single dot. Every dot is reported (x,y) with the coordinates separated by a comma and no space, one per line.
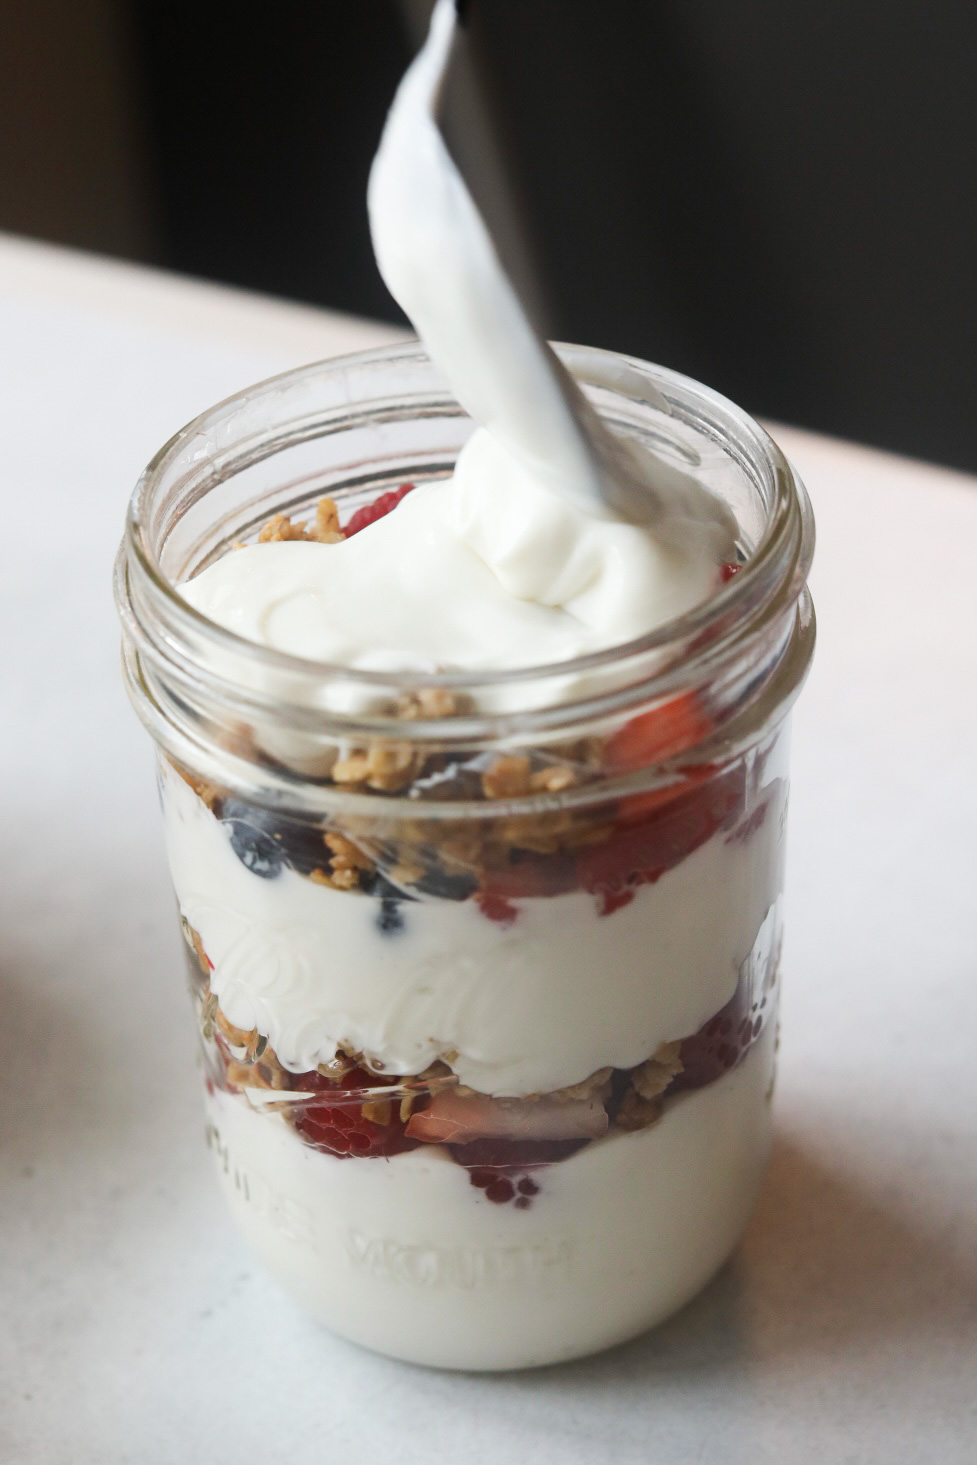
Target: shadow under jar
(487,998)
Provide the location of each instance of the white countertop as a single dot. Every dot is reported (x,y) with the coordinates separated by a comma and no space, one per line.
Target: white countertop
(135,1326)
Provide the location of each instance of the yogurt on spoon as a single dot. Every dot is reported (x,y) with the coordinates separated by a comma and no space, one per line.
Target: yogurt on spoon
(553,538)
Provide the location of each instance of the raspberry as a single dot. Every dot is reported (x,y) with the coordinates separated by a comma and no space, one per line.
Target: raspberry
(482,1178)
(488,1159)
(339,1127)
(727,571)
(497,908)
(380,507)
(493,1164)
(720,1043)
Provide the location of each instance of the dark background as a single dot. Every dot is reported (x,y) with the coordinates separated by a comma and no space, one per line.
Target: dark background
(778,198)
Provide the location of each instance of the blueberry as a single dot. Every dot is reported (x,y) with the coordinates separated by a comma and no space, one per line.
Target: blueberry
(445,885)
(447,778)
(254,838)
(390,920)
(390,917)
(302,845)
(375,883)
(265,841)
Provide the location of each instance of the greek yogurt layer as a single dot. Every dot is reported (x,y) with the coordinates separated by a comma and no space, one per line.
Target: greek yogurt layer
(404,1257)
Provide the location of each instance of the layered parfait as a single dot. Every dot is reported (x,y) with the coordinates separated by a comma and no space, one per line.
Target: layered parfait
(493,1089)
(489,1022)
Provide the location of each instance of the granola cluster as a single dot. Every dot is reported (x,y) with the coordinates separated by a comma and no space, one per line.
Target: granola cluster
(323,529)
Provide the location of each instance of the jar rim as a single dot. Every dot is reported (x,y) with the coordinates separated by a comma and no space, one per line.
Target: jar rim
(768,584)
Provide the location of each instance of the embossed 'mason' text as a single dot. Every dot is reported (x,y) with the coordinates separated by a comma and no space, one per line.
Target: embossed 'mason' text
(469,1267)
(288,1216)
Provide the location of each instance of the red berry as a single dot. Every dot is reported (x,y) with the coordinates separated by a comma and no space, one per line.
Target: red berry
(655,736)
(639,853)
(490,1159)
(523,877)
(335,1121)
(378,509)
(497,908)
(609,901)
(721,1042)
(745,831)
(727,571)
(493,1165)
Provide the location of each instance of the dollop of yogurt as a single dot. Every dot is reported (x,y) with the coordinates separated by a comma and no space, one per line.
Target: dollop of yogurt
(553,538)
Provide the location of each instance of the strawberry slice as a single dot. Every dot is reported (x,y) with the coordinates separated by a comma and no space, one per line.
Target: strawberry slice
(380,507)
(637,808)
(655,736)
(459,1119)
(335,1122)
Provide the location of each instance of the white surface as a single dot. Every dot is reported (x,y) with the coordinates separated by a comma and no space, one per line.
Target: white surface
(136,1327)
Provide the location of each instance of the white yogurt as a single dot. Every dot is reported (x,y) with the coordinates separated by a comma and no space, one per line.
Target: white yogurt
(527,1007)
(406,1257)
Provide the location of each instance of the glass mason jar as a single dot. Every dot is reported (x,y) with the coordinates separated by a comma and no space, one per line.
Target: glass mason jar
(485,969)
